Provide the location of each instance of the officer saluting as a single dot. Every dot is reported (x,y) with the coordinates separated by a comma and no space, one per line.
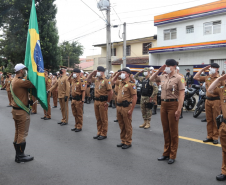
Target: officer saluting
(149,91)
(63,94)
(47,114)
(172,97)
(103,94)
(78,88)
(20,112)
(126,101)
(7,86)
(212,105)
(221,92)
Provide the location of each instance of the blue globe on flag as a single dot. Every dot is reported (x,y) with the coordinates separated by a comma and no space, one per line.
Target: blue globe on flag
(38,58)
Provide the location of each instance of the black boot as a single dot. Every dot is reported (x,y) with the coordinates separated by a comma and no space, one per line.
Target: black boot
(110,105)
(154,110)
(88,100)
(85,100)
(20,156)
(14,144)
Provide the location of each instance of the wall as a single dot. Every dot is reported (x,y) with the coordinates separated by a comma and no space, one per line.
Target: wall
(196,37)
(189,58)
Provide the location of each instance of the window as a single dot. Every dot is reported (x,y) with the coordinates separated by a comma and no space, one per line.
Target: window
(128,50)
(170,34)
(190,29)
(113,52)
(146,47)
(212,27)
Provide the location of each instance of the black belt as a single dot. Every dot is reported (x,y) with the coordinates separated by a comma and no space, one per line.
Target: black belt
(101,98)
(88,85)
(124,104)
(78,98)
(213,98)
(18,108)
(168,100)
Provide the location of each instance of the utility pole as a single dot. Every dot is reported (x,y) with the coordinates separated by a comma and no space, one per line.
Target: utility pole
(124,45)
(108,29)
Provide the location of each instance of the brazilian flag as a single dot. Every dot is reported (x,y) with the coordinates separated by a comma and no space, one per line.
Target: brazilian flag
(34,60)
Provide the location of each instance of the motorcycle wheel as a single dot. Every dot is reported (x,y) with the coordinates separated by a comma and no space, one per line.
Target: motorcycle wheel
(191,106)
(199,110)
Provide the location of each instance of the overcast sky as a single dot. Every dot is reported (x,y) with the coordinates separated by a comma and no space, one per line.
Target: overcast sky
(75,19)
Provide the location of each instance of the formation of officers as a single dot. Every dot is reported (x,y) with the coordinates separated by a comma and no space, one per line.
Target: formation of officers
(121,88)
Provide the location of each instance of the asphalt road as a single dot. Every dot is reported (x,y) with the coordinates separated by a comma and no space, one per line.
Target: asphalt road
(69,158)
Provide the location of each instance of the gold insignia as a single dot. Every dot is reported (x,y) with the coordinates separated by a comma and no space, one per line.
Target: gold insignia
(182,80)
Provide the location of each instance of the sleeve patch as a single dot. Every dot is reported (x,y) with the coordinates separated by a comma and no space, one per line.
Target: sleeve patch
(109,82)
(83,85)
(134,87)
(182,80)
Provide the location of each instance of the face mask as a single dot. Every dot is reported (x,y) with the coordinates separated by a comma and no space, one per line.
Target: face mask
(74,76)
(212,70)
(145,73)
(123,76)
(119,76)
(167,70)
(98,74)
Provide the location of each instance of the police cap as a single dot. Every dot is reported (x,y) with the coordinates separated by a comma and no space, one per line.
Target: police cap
(215,65)
(171,62)
(100,68)
(76,70)
(126,70)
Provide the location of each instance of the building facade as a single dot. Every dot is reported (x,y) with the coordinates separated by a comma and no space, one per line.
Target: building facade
(193,36)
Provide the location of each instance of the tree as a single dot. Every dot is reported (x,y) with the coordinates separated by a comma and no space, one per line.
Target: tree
(15,20)
(73,51)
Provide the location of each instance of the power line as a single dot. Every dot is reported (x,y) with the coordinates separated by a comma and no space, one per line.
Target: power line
(157,7)
(86,34)
(93,11)
(116,14)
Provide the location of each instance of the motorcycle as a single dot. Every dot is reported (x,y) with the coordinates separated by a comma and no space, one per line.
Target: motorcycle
(200,107)
(92,87)
(189,99)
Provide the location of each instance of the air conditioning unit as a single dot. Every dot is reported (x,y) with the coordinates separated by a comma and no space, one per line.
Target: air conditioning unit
(103,5)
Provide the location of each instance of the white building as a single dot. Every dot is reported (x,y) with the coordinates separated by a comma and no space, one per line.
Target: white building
(192,36)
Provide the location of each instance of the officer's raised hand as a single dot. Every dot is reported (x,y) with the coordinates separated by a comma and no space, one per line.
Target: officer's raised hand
(162,68)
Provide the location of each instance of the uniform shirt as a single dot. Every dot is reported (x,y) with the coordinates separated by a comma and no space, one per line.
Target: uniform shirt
(7,84)
(171,86)
(126,90)
(102,86)
(78,85)
(63,87)
(221,91)
(20,88)
(117,86)
(54,80)
(48,83)
(209,80)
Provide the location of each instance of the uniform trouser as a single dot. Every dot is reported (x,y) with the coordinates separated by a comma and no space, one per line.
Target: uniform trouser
(116,102)
(9,97)
(170,128)
(77,110)
(22,123)
(222,133)
(47,113)
(64,110)
(55,96)
(146,112)
(34,106)
(88,92)
(155,100)
(102,118)
(125,124)
(212,111)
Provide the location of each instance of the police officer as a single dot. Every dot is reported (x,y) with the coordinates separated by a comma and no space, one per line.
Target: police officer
(48,81)
(7,86)
(221,92)
(63,94)
(103,94)
(88,96)
(110,78)
(78,95)
(115,91)
(20,112)
(172,97)
(212,104)
(188,78)
(126,101)
(55,92)
(149,90)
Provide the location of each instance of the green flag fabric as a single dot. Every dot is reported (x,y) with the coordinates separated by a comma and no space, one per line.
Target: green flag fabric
(34,60)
